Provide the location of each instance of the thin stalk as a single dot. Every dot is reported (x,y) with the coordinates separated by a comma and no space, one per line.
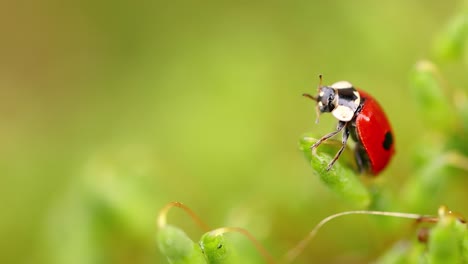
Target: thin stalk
(266,256)
(162,216)
(293,253)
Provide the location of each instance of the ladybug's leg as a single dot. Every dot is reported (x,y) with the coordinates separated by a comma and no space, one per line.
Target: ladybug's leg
(340,127)
(362,160)
(359,160)
(343,146)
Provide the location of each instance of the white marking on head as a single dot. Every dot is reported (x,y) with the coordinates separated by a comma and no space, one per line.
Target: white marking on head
(343,113)
(341,85)
(321,93)
(320,104)
(358,98)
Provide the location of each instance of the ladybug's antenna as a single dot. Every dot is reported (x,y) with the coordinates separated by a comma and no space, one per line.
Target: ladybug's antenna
(311,97)
(317,110)
(315,98)
(320,83)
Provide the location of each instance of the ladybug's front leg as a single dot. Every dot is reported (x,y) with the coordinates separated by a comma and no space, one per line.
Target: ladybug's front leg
(343,146)
(340,127)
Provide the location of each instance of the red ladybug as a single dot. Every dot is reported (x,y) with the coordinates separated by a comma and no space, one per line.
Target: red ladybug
(361,116)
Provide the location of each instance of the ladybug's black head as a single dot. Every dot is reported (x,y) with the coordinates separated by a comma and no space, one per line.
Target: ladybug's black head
(340,98)
(326,99)
(329,99)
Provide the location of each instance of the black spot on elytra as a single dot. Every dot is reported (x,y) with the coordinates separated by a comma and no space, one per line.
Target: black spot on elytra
(220,246)
(388,141)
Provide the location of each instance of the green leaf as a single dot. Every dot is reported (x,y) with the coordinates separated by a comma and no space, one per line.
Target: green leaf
(178,247)
(451,43)
(216,249)
(422,189)
(342,177)
(430,100)
(403,252)
(465,248)
(459,140)
(446,241)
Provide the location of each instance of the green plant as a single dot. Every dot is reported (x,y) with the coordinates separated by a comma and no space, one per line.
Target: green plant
(444,113)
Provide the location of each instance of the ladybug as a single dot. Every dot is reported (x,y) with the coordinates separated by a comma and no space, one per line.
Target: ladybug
(360,116)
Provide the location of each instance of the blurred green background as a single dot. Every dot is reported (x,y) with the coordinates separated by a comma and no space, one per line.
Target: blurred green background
(111,109)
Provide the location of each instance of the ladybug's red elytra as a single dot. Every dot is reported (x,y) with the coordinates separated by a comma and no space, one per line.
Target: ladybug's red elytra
(360,116)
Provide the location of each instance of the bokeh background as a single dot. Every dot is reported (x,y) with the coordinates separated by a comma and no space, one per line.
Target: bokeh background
(111,109)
